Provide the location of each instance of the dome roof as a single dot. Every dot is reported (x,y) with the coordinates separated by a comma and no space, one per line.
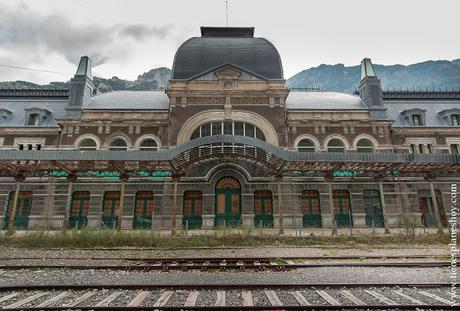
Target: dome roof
(223,46)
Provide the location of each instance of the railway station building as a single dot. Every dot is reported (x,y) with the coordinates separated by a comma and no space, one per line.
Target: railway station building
(227,144)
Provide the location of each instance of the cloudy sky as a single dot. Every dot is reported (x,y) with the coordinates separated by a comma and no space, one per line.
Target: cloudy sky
(128,37)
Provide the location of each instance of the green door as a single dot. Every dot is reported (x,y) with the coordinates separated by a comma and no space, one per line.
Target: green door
(342,207)
(79,209)
(192,210)
(311,209)
(374,217)
(263,209)
(23,209)
(227,202)
(110,209)
(143,210)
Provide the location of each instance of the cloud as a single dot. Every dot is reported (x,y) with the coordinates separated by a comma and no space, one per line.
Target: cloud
(34,36)
(142,32)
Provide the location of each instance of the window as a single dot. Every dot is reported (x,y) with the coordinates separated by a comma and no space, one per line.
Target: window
(364,145)
(144,204)
(228,128)
(34,119)
(79,209)
(311,208)
(455,149)
(455,119)
(342,206)
(306,145)
(335,145)
(421,148)
(87,144)
(417,120)
(425,202)
(148,145)
(23,208)
(118,145)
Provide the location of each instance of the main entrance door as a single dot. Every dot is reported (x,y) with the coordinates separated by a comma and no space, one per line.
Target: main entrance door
(227,202)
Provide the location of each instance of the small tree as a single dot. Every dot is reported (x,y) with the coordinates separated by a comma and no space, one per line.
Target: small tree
(409,224)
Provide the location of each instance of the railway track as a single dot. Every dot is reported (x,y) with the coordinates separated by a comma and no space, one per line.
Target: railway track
(227,297)
(209,263)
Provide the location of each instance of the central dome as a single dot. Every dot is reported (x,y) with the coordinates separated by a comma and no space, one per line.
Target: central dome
(222,46)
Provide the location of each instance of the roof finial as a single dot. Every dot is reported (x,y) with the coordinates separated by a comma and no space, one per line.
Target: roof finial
(226,10)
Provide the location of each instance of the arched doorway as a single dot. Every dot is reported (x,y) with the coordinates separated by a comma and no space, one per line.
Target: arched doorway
(227,202)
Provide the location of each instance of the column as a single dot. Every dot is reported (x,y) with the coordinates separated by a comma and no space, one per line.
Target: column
(435,205)
(384,210)
(173,211)
(331,200)
(68,205)
(279,179)
(123,179)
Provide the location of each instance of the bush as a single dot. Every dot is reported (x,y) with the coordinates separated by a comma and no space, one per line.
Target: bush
(88,238)
(409,225)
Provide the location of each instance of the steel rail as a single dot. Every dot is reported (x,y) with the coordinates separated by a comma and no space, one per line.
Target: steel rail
(233,258)
(233,308)
(227,266)
(214,286)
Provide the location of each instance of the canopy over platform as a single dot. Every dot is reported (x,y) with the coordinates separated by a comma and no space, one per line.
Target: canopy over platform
(223,148)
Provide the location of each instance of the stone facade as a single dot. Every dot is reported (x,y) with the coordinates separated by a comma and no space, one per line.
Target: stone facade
(230,98)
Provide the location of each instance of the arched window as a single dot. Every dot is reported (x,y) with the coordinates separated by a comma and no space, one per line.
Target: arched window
(118,144)
(306,145)
(87,144)
(228,128)
(34,119)
(148,144)
(365,145)
(335,145)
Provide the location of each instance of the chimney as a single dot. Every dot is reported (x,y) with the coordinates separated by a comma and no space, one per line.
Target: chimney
(370,90)
(81,85)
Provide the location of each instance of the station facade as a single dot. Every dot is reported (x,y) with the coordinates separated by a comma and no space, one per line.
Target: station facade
(227,144)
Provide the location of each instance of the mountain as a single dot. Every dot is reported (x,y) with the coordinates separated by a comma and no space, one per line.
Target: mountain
(439,74)
(152,80)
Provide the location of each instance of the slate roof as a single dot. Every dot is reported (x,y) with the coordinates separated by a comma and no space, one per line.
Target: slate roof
(432,107)
(198,55)
(128,100)
(323,101)
(18,107)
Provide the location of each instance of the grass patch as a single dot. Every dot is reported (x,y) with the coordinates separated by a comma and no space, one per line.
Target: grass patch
(110,238)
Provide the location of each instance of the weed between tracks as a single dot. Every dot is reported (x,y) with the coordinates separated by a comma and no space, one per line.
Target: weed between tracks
(88,238)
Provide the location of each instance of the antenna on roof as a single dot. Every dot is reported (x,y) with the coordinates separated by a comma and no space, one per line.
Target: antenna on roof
(226,11)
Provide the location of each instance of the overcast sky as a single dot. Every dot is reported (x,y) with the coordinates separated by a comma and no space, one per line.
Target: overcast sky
(128,37)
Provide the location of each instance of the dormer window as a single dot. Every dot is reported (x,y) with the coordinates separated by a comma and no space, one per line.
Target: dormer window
(417,120)
(455,119)
(4,114)
(451,117)
(34,119)
(414,117)
(36,116)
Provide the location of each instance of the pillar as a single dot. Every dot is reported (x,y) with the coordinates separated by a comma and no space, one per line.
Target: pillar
(15,204)
(331,200)
(123,179)
(68,205)
(280,206)
(384,210)
(435,204)
(173,211)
